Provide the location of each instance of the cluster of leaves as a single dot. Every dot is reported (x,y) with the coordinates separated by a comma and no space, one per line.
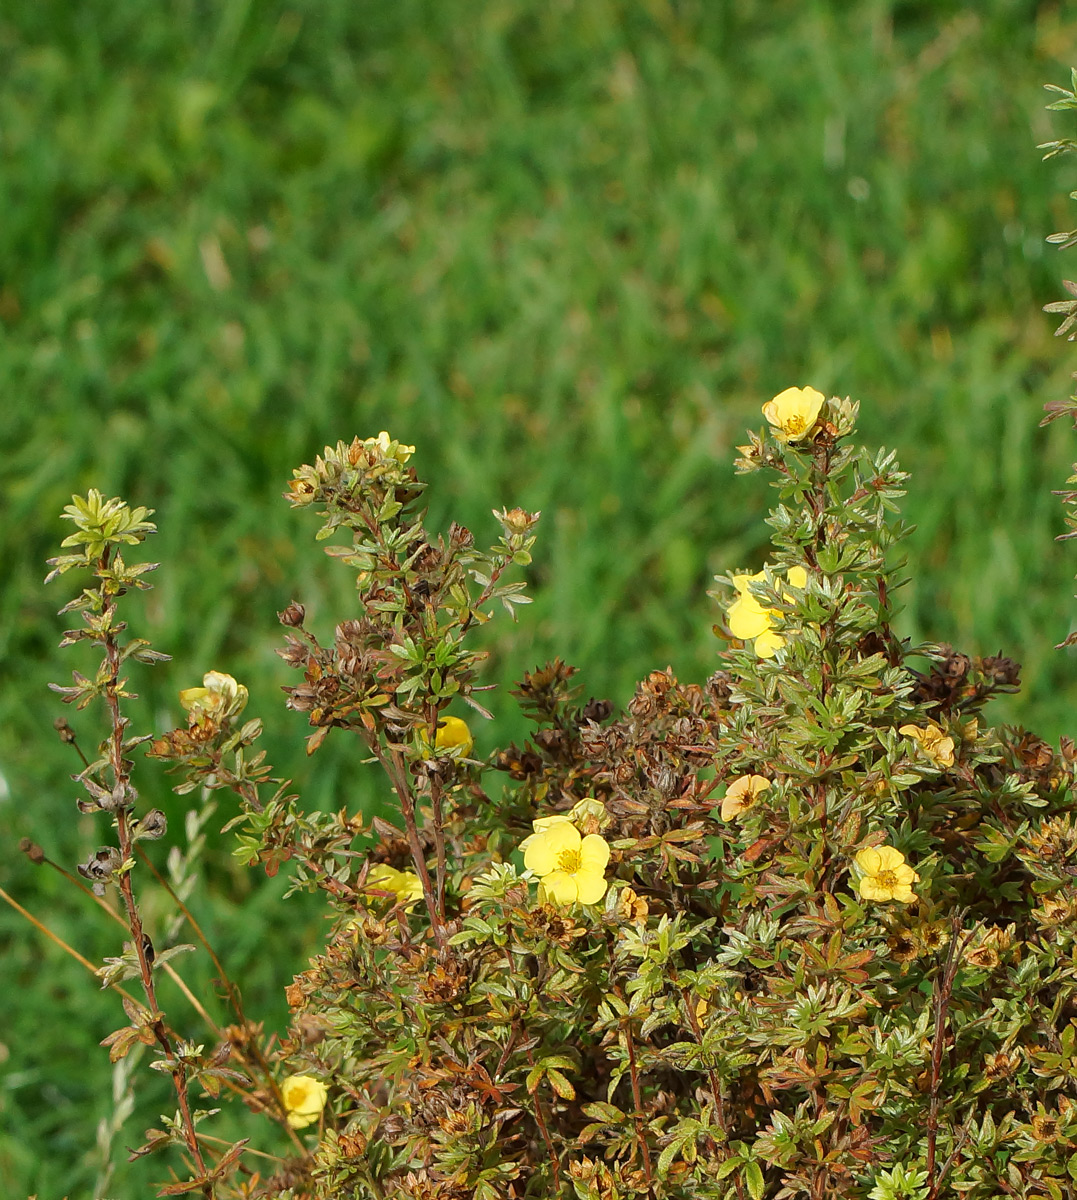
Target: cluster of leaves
(734,1019)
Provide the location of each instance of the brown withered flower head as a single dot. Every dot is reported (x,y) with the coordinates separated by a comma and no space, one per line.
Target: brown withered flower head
(551,923)
(933,937)
(986,957)
(903,946)
(1001,1065)
(1055,841)
(1045,1127)
(1054,910)
(946,683)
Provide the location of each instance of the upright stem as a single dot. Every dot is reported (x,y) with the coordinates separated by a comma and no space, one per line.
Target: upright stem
(121,779)
(637,1102)
(944,986)
(395,768)
(541,1119)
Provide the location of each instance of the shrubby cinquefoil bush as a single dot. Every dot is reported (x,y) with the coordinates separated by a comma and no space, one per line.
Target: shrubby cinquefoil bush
(805,928)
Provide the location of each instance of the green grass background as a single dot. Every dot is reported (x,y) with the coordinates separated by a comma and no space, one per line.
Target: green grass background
(565,248)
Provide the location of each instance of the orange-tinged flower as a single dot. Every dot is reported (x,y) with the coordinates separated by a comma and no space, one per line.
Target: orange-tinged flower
(750,621)
(304,1098)
(570,868)
(935,744)
(793,413)
(741,794)
(886,875)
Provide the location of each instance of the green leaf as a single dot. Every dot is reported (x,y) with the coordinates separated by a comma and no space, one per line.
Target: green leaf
(753,1177)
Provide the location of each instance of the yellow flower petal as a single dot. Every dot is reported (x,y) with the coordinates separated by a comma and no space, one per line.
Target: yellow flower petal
(768,644)
(798,577)
(870,889)
(560,887)
(747,618)
(594,855)
(889,859)
(869,860)
(590,886)
(543,850)
(189,697)
(304,1098)
(541,823)
(741,794)
(453,732)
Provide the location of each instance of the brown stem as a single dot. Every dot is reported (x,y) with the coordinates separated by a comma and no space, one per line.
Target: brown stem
(637,1116)
(393,764)
(712,1074)
(541,1119)
(121,780)
(435,803)
(944,986)
(234,999)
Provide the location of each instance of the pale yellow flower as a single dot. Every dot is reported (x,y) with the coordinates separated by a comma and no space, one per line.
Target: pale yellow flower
(218,698)
(404,885)
(570,867)
(741,794)
(935,744)
(886,875)
(589,814)
(390,448)
(750,621)
(793,413)
(304,1098)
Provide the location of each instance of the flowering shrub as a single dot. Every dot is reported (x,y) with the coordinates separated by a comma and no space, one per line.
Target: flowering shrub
(805,928)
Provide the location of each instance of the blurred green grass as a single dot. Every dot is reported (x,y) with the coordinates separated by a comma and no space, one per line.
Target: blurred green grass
(565,249)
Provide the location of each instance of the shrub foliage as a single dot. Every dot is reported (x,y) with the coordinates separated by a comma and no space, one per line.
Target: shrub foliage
(803,929)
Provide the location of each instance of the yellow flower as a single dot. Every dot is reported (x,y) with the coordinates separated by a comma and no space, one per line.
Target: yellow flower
(453,736)
(741,794)
(304,1099)
(452,733)
(219,697)
(390,448)
(404,885)
(750,621)
(933,742)
(886,876)
(793,413)
(570,867)
(589,814)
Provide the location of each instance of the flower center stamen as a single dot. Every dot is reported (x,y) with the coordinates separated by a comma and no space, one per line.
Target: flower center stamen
(887,879)
(569,860)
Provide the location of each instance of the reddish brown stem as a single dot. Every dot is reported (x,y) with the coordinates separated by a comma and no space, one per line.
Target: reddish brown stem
(121,781)
(944,986)
(541,1120)
(393,764)
(637,1102)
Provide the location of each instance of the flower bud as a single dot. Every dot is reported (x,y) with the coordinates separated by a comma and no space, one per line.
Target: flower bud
(293,615)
